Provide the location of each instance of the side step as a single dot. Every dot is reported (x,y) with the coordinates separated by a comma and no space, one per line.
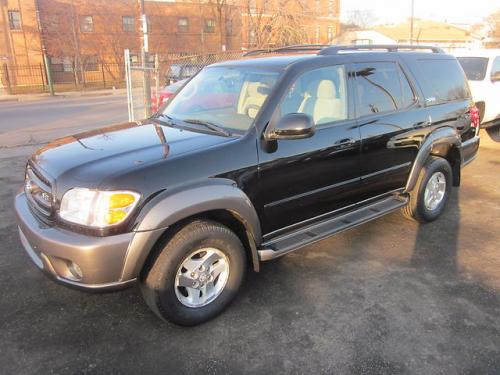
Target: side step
(288,242)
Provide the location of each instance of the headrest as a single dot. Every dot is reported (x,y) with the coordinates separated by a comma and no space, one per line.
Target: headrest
(324,89)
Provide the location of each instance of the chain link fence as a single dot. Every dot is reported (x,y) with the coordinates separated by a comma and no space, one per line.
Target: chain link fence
(145,82)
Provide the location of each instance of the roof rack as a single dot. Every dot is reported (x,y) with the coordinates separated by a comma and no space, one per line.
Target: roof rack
(293,48)
(333,50)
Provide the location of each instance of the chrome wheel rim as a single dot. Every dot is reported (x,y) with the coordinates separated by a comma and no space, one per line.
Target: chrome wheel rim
(201,277)
(435,191)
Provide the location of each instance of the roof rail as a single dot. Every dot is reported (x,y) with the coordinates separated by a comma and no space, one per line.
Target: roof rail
(333,50)
(292,48)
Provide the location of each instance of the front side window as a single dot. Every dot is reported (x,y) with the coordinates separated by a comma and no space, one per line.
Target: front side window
(128,24)
(442,81)
(230,97)
(378,88)
(474,67)
(14,20)
(86,24)
(320,93)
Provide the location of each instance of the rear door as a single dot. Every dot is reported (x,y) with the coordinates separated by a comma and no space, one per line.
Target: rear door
(389,119)
(493,111)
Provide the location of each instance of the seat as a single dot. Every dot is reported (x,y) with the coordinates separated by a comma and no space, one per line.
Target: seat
(252,98)
(322,103)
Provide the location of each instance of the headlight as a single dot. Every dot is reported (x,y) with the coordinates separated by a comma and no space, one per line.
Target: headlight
(94,208)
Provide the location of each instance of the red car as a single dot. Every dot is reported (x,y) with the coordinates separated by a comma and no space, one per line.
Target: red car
(166,93)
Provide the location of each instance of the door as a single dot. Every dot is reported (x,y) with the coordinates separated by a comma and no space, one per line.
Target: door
(389,122)
(303,178)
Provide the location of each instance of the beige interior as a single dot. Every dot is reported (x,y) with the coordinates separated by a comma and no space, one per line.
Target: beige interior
(251,99)
(322,102)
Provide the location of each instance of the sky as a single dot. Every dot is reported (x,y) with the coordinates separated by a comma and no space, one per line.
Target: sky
(393,11)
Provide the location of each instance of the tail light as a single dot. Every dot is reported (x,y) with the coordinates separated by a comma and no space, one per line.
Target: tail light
(474,117)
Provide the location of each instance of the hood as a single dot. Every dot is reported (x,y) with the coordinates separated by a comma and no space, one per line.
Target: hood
(88,158)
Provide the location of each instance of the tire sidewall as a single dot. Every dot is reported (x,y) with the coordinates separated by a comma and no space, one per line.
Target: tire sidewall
(167,302)
(433,166)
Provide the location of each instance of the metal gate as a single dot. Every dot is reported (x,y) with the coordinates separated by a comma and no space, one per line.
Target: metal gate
(142,79)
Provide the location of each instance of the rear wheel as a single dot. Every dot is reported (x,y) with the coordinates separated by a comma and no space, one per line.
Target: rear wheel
(196,274)
(429,197)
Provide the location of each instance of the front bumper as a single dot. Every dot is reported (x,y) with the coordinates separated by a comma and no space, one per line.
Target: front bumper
(56,252)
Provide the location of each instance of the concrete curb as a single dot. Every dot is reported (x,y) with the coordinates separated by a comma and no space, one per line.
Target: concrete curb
(71,94)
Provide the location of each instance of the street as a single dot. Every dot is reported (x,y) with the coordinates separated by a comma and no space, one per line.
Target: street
(40,121)
(390,296)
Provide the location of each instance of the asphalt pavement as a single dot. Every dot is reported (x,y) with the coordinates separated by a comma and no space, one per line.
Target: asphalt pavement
(388,297)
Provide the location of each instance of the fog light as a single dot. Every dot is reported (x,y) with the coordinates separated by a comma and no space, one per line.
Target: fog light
(75,270)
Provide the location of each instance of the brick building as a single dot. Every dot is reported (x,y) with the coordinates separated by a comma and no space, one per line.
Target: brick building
(85,33)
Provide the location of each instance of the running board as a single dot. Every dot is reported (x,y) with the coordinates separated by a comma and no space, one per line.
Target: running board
(288,242)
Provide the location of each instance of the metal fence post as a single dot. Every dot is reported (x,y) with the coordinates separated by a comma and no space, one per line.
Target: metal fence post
(103,76)
(6,79)
(42,76)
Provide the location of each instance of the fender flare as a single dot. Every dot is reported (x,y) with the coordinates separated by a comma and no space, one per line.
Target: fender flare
(172,206)
(437,142)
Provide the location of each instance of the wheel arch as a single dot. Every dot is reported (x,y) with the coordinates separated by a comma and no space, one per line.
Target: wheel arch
(443,142)
(218,200)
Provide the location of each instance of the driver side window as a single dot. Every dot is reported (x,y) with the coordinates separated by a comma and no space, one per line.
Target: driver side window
(320,93)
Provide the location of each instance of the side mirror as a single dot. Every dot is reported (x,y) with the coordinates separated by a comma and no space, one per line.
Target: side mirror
(495,77)
(293,126)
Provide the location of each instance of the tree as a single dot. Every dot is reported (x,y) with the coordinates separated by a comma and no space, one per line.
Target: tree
(494,25)
(361,18)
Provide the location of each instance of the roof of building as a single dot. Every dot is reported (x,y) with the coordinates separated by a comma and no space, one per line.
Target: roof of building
(426,30)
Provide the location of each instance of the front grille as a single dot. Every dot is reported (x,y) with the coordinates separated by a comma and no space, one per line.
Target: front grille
(38,190)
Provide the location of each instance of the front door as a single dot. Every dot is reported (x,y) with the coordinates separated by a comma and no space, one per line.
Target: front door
(304,178)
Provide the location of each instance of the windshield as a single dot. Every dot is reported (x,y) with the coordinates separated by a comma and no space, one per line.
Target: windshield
(229,97)
(474,67)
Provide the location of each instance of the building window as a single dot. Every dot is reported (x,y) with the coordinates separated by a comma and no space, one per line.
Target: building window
(330,33)
(61,64)
(331,7)
(209,25)
(128,24)
(86,24)
(265,6)
(14,20)
(229,27)
(318,31)
(183,25)
(90,63)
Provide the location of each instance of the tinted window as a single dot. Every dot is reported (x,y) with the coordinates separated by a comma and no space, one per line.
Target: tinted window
(442,81)
(474,67)
(320,93)
(378,88)
(408,96)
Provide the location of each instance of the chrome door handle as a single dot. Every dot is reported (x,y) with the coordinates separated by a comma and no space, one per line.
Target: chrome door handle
(345,142)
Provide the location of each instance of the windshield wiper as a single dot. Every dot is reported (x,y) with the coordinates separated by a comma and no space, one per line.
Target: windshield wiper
(209,125)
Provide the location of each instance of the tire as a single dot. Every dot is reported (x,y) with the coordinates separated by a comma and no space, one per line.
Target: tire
(417,209)
(163,281)
(494,133)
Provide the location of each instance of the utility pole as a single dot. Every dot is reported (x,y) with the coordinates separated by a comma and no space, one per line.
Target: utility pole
(411,21)
(144,54)
(46,62)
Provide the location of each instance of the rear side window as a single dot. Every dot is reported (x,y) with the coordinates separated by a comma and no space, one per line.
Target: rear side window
(442,81)
(474,67)
(495,70)
(380,87)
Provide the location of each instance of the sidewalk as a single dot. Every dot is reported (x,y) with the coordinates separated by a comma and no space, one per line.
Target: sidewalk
(69,94)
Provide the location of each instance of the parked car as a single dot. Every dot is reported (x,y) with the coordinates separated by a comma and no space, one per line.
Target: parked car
(482,68)
(290,150)
(178,72)
(166,93)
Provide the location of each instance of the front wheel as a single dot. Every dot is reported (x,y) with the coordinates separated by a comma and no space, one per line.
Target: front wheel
(429,197)
(196,274)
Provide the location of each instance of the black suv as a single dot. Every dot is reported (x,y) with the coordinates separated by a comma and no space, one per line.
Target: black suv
(252,159)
